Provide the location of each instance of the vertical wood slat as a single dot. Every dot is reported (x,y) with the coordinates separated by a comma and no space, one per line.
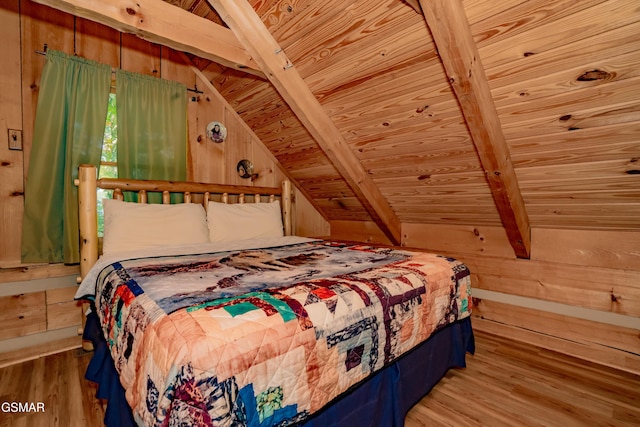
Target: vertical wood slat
(88,225)
(166,197)
(187,197)
(11,117)
(225,198)
(117,194)
(286,208)
(272,198)
(256,198)
(205,201)
(142,196)
(241,198)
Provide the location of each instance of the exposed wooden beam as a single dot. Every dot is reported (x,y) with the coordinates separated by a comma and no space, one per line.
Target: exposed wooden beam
(452,35)
(160,22)
(256,38)
(415,4)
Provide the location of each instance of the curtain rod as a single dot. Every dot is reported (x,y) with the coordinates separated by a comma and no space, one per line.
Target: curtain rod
(113,70)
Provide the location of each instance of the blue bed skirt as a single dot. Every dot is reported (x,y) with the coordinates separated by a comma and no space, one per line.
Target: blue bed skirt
(382,400)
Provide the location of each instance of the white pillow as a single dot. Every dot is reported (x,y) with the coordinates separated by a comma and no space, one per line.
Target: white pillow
(131,226)
(239,221)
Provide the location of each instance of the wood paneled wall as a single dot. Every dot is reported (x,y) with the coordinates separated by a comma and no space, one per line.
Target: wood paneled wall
(37,310)
(11,161)
(33,306)
(578,294)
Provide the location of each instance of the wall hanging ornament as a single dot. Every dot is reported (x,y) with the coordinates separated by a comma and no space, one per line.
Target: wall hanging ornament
(245,169)
(216,132)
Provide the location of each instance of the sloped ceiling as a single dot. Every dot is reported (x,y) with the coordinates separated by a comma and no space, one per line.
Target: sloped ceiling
(563,77)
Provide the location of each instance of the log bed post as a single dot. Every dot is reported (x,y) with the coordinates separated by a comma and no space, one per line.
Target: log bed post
(286,207)
(88,222)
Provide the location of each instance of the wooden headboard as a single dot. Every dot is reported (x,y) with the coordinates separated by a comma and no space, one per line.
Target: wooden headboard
(194,192)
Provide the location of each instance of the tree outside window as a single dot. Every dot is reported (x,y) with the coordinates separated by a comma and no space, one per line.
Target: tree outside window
(109,159)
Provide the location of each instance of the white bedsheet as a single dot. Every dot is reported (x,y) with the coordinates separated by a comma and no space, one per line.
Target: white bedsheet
(87,287)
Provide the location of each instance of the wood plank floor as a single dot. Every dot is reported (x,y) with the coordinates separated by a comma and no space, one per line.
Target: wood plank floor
(506,383)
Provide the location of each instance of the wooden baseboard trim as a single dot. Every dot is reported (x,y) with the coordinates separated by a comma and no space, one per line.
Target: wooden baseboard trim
(595,353)
(36,351)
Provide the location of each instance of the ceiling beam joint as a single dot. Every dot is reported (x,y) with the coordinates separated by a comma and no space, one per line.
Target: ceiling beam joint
(240,16)
(160,22)
(459,54)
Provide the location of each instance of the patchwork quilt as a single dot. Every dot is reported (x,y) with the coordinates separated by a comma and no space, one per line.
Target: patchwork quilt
(267,336)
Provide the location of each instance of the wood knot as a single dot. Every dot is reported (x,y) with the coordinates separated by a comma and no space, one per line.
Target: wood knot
(613,297)
(633,172)
(527,54)
(565,117)
(130,11)
(421,109)
(423,177)
(5,163)
(386,124)
(589,76)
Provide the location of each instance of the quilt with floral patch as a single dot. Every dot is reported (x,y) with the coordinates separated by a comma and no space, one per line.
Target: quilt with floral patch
(268,336)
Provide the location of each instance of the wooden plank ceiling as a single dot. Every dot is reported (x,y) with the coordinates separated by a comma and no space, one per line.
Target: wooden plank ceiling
(564,85)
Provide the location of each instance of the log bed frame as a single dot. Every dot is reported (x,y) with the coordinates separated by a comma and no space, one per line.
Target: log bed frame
(193,192)
(395,388)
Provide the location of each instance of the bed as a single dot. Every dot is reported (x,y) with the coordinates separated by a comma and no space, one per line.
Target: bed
(249,325)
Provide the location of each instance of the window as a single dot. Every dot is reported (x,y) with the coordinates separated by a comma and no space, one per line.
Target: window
(109,160)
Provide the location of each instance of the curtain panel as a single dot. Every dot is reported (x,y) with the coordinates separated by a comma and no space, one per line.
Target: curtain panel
(69,129)
(152,129)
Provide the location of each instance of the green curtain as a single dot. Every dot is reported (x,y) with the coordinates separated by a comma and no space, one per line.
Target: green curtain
(69,128)
(152,129)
